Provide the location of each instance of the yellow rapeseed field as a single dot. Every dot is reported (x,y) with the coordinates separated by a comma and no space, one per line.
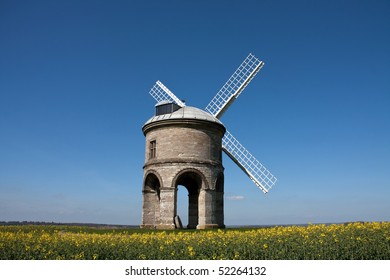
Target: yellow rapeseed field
(339,241)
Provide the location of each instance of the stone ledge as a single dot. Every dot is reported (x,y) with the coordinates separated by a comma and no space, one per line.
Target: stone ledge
(181,161)
(184,123)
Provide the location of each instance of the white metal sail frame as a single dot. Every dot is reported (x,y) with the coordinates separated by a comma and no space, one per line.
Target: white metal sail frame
(218,105)
(162,93)
(234,86)
(248,163)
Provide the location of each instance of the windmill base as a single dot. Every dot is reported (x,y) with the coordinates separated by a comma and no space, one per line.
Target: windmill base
(208,226)
(170,226)
(162,227)
(147,226)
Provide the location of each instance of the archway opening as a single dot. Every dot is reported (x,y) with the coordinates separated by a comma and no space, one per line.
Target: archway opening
(151,202)
(192,183)
(182,204)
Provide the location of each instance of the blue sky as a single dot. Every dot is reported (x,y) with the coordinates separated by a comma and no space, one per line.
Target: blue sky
(74,83)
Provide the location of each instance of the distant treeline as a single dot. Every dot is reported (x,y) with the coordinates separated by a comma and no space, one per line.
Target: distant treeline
(15,223)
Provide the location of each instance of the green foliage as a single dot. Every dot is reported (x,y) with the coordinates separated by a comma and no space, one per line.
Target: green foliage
(350,241)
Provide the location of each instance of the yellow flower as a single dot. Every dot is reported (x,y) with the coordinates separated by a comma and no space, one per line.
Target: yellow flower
(191,251)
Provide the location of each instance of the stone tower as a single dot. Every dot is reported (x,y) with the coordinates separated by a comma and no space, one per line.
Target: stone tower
(183,147)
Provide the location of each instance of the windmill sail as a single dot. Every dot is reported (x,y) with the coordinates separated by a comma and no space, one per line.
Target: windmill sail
(218,105)
(248,163)
(234,86)
(161,93)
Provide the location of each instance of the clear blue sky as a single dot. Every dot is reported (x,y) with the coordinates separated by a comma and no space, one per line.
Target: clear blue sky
(74,83)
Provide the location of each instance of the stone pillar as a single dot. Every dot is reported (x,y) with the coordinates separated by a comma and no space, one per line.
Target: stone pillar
(167,209)
(192,210)
(207,209)
(150,209)
(219,209)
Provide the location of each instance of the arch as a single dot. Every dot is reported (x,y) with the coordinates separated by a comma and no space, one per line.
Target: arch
(193,180)
(152,181)
(219,183)
(194,173)
(151,200)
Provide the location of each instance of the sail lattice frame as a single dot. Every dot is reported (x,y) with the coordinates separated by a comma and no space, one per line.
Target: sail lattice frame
(234,86)
(262,177)
(161,93)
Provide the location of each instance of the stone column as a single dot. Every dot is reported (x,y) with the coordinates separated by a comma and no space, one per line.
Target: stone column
(192,210)
(219,209)
(167,209)
(150,209)
(207,209)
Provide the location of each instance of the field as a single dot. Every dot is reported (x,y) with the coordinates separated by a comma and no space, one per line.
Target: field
(353,241)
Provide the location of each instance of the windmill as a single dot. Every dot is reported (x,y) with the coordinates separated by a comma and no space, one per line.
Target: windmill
(229,92)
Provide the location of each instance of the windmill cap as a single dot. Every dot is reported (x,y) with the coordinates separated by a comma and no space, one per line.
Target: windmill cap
(186,112)
(163,102)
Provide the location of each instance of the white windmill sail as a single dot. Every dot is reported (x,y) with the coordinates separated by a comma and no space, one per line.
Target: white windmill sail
(161,93)
(218,105)
(230,145)
(234,86)
(248,163)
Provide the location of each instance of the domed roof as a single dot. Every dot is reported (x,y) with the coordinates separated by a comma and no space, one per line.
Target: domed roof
(186,112)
